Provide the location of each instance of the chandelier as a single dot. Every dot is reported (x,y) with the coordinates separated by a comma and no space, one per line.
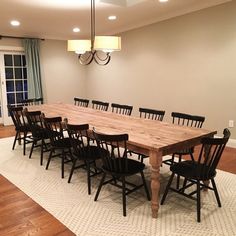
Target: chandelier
(97,48)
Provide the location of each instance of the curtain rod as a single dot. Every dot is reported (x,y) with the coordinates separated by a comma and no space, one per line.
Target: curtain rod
(15,37)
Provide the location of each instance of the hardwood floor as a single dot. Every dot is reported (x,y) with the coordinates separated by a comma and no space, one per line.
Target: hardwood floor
(20,215)
(7,131)
(227,161)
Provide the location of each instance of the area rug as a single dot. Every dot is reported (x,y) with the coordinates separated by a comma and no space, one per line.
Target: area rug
(71,204)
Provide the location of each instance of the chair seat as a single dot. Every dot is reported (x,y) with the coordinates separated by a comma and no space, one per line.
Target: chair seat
(201,170)
(62,143)
(25,128)
(40,133)
(129,167)
(90,153)
(186,151)
(192,170)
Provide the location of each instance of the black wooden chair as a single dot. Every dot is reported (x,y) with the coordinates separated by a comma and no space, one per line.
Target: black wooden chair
(184,120)
(199,172)
(99,105)
(118,166)
(151,114)
(22,128)
(121,109)
(81,102)
(83,152)
(28,102)
(32,101)
(38,101)
(60,145)
(39,132)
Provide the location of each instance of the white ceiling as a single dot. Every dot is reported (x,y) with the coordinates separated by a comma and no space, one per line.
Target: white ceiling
(55,19)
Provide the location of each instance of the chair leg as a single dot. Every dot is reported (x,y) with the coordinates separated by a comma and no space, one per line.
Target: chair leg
(24,143)
(14,143)
(198,202)
(114,179)
(49,158)
(178,177)
(32,148)
(95,167)
(88,177)
(62,164)
(72,170)
(100,186)
(184,184)
(167,188)
(124,196)
(191,155)
(142,157)
(172,159)
(216,192)
(41,152)
(145,186)
(19,138)
(139,156)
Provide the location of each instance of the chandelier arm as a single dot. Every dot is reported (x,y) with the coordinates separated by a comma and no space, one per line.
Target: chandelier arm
(101,61)
(86,60)
(107,55)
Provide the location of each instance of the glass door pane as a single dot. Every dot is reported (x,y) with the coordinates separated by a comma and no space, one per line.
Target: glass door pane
(13,81)
(16,77)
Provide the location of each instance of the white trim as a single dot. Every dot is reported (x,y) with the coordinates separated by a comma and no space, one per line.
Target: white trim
(11,48)
(231,143)
(5,118)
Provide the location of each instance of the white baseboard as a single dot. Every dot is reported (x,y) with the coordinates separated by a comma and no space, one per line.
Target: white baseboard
(231,143)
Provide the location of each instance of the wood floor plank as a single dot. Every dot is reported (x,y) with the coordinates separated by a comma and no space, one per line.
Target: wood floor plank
(7,131)
(20,215)
(227,161)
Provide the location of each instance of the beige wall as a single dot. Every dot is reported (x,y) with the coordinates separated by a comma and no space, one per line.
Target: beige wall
(5,42)
(62,76)
(185,64)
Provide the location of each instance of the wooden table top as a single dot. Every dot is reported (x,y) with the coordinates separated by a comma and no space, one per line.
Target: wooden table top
(144,134)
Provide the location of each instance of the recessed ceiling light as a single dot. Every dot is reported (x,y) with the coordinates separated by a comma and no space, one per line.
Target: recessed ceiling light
(15,23)
(111,17)
(76,30)
(163,0)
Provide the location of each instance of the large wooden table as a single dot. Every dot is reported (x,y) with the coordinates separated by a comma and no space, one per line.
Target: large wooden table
(152,138)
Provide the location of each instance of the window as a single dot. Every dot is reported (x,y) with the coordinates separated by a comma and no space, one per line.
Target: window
(16,78)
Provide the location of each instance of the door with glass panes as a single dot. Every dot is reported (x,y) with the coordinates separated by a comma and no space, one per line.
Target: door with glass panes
(13,76)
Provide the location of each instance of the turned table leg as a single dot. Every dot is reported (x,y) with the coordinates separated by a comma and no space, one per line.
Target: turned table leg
(155,159)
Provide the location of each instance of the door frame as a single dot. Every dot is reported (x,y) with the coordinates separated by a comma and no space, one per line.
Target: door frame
(5,119)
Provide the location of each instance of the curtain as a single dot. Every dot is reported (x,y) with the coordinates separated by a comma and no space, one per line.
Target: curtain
(31,48)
